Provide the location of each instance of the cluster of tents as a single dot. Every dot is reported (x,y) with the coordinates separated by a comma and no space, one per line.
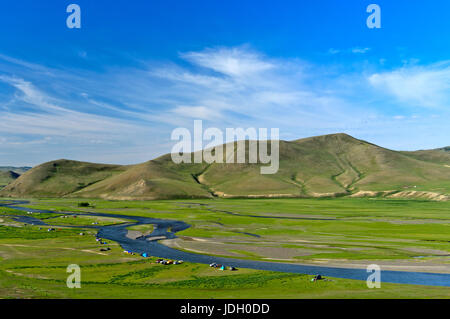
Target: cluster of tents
(129,252)
(102,243)
(158,261)
(222,267)
(168,262)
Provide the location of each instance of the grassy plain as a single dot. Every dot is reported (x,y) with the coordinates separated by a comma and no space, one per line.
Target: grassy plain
(404,233)
(351,229)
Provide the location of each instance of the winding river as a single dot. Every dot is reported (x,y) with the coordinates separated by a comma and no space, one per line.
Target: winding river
(168,228)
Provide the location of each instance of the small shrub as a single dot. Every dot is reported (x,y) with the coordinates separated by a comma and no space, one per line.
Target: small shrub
(84,204)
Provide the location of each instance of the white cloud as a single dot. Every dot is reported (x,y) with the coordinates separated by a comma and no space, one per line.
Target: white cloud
(125,114)
(334,51)
(355,50)
(233,87)
(48,118)
(235,62)
(197,112)
(423,86)
(30,94)
(358,50)
(252,90)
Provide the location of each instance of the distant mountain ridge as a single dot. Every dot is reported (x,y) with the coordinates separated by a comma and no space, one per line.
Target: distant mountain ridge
(321,166)
(438,155)
(18,170)
(7,177)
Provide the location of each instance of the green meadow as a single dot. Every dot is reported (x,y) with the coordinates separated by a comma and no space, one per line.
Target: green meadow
(329,228)
(406,234)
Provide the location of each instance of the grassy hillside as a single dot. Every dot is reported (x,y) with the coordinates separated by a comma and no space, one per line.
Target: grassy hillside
(150,180)
(322,166)
(330,165)
(59,178)
(438,156)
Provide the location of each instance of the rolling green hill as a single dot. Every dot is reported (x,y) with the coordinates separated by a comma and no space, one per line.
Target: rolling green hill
(322,166)
(151,180)
(439,155)
(60,178)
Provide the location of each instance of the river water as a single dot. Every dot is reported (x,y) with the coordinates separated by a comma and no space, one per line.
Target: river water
(118,233)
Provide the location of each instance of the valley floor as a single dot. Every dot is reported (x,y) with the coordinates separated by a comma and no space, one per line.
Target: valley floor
(408,235)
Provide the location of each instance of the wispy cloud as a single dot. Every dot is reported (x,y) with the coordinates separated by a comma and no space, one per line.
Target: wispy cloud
(196,112)
(334,51)
(235,62)
(249,88)
(360,50)
(355,50)
(420,86)
(125,114)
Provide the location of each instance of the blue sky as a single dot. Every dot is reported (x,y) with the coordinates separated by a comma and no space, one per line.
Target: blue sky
(114,90)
